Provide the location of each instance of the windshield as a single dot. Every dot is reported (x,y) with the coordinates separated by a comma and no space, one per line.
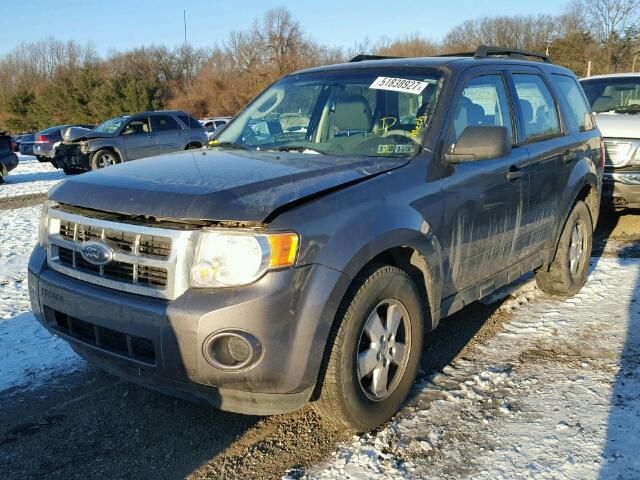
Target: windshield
(381,112)
(614,94)
(111,125)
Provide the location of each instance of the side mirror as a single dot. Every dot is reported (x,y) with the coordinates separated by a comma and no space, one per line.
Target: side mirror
(479,142)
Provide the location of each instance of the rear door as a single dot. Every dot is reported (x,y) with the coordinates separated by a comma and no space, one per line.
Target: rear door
(139,139)
(543,134)
(170,134)
(484,199)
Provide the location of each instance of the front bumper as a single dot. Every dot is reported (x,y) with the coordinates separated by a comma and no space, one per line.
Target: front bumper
(290,312)
(621,189)
(70,156)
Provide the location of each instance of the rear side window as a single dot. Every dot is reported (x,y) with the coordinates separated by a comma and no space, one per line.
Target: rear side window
(162,123)
(538,112)
(190,121)
(483,101)
(580,111)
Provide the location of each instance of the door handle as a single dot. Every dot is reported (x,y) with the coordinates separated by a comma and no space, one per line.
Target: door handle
(514,173)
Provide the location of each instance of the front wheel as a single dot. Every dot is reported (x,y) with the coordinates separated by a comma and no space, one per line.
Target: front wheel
(567,273)
(375,350)
(104,158)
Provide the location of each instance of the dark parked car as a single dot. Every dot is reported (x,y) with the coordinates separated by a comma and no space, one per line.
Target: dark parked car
(128,138)
(307,264)
(8,159)
(25,146)
(47,141)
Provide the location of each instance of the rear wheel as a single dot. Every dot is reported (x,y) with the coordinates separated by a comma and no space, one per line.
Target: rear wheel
(375,350)
(566,275)
(41,158)
(104,158)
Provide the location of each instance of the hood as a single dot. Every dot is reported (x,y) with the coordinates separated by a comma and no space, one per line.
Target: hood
(75,134)
(618,125)
(215,185)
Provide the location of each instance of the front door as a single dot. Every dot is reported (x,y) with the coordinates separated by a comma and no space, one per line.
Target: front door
(139,139)
(484,199)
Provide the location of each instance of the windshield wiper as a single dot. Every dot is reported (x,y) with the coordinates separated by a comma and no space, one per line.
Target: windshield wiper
(297,148)
(236,146)
(627,109)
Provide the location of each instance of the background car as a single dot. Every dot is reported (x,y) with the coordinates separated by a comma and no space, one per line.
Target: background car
(211,125)
(125,138)
(8,159)
(47,140)
(615,99)
(25,147)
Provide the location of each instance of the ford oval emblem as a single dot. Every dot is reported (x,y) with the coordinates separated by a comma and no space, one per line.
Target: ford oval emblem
(96,253)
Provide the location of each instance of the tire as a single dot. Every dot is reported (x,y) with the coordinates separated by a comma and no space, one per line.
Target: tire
(567,273)
(193,146)
(358,402)
(104,158)
(42,159)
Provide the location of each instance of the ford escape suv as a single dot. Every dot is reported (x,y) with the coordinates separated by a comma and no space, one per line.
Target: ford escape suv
(289,264)
(615,100)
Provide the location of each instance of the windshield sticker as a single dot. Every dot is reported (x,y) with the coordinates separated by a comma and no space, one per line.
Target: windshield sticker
(399,85)
(388,149)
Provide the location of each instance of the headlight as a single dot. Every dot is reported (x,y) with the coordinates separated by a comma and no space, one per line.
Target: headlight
(43,230)
(225,259)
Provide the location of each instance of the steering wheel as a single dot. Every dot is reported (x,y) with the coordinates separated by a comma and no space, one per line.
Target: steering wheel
(401,133)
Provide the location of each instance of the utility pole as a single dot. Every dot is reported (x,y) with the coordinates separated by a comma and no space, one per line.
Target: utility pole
(589,68)
(184,17)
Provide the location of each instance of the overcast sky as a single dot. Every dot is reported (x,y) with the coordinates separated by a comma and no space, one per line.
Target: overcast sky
(125,24)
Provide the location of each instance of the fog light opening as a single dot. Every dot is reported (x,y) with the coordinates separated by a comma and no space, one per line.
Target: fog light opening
(232,350)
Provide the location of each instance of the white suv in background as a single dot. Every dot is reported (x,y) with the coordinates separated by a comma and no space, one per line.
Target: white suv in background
(213,125)
(615,99)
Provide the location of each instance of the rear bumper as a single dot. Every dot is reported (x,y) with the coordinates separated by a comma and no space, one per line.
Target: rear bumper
(621,189)
(43,150)
(290,313)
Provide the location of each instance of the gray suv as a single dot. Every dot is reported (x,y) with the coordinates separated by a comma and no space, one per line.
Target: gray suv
(307,263)
(128,138)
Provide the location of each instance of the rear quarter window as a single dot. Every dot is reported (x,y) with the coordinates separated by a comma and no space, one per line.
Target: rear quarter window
(579,109)
(190,121)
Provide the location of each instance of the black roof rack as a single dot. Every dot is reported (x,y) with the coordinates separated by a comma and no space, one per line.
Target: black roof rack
(486,51)
(362,58)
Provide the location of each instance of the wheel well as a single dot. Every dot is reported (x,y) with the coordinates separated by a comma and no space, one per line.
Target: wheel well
(409,260)
(193,145)
(111,149)
(589,195)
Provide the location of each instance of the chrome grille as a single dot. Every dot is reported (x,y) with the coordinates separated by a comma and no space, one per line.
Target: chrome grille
(146,260)
(619,153)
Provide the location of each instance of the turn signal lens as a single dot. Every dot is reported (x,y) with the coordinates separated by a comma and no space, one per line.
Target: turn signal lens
(284,247)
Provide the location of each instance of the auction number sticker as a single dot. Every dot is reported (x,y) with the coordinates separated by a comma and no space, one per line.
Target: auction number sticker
(399,85)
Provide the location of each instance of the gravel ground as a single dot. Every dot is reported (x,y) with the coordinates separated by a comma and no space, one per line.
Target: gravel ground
(86,424)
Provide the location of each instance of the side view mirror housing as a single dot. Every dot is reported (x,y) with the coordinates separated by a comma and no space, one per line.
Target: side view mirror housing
(479,142)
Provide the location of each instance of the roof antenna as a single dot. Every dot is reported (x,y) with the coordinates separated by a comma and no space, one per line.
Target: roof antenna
(186,73)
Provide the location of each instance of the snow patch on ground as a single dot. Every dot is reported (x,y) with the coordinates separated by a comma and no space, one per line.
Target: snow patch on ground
(30,177)
(556,394)
(29,354)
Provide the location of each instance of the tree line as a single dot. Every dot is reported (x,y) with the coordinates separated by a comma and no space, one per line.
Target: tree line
(53,82)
